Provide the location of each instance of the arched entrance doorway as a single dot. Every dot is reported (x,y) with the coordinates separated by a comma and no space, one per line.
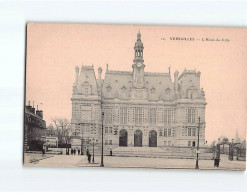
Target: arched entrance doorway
(138,138)
(123,138)
(153,138)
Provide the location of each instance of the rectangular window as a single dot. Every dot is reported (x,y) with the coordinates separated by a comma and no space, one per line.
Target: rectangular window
(165,132)
(169,143)
(193,143)
(189,131)
(193,132)
(110,142)
(123,115)
(108,115)
(86,113)
(106,129)
(191,115)
(169,132)
(165,143)
(106,142)
(152,115)
(189,143)
(110,129)
(168,116)
(138,115)
(161,133)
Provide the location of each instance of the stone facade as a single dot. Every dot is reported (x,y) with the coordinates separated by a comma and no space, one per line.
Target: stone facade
(141,109)
(34,129)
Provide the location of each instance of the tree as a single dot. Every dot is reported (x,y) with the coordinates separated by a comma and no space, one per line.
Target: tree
(51,131)
(63,128)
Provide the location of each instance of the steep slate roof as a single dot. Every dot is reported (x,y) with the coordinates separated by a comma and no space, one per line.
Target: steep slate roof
(117,84)
(87,77)
(114,83)
(27,111)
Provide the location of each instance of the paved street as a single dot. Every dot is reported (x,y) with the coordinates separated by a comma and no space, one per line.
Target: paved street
(132,162)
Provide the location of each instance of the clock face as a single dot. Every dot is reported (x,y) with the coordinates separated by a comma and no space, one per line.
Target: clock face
(139,64)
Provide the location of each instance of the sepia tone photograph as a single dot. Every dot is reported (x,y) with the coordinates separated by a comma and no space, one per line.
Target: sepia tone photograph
(135,96)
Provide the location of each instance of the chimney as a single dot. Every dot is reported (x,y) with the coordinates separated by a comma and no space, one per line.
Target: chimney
(28,106)
(40,113)
(32,109)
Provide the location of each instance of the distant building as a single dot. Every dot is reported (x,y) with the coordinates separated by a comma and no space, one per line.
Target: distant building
(34,129)
(141,109)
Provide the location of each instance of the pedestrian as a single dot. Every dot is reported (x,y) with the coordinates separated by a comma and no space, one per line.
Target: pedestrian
(74,151)
(87,152)
(43,152)
(218,162)
(78,151)
(89,157)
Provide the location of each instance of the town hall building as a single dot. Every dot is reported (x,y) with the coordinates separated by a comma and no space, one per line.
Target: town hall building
(140,109)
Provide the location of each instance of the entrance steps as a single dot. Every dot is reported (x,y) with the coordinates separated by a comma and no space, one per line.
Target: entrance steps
(152,152)
(159,152)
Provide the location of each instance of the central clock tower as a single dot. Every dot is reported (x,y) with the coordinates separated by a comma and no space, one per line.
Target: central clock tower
(138,66)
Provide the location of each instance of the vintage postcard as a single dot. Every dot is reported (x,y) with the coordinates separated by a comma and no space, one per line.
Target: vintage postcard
(133,96)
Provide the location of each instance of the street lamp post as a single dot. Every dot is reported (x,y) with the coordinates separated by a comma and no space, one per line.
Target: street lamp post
(93,150)
(197,153)
(81,146)
(231,150)
(102,130)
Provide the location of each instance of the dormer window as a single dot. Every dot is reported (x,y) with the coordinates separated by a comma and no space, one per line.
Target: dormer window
(108,88)
(168,91)
(86,91)
(123,89)
(153,90)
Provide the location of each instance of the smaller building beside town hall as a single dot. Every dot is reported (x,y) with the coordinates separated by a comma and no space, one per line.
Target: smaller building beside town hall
(34,129)
(141,109)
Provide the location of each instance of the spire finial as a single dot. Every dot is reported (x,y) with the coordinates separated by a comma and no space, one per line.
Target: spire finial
(138,35)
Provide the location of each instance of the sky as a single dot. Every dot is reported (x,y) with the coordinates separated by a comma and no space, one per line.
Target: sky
(54,50)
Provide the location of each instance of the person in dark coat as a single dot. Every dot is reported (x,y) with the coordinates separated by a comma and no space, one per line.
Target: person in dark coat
(78,151)
(89,157)
(43,152)
(216,162)
(87,152)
